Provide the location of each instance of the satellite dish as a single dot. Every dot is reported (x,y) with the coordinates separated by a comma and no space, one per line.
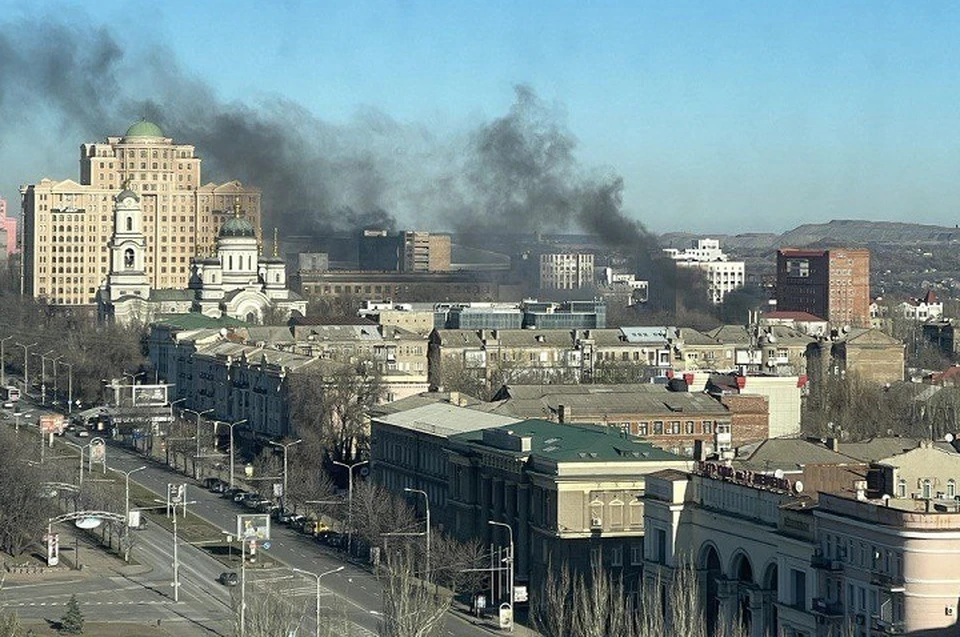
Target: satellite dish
(88,523)
(798,486)
(949,437)
(778,474)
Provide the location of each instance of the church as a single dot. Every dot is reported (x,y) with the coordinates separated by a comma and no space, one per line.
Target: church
(233,280)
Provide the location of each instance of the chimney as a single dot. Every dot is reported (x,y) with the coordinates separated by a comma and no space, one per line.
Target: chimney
(833,444)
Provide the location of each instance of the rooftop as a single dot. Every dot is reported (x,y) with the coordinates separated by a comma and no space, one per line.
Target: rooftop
(143,128)
(444,420)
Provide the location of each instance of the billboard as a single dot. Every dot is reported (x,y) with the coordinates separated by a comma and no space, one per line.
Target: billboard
(253,526)
(51,424)
(98,451)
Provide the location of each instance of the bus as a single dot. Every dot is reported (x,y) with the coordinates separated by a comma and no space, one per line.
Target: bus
(10,394)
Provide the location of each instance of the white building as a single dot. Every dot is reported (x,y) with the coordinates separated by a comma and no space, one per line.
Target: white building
(235,281)
(928,308)
(566,271)
(723,275)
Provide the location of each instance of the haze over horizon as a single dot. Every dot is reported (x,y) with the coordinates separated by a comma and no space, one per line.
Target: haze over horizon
(719,118)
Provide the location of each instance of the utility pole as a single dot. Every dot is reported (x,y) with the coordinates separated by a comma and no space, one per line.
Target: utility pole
(426,499)
(286,447)
(317,577)
(55,389)
(69,388)
(232,459)
(26,366)
(196,458)
(126,509)
(43,377)
(3,361)
(510,563)
(349,468)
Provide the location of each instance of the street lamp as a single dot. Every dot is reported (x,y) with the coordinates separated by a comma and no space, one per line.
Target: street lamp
(69,387)
(55,361)
(81,449)
(231,425)
(317,577)
(196,458)
(426,499)
(43,376)
(350,468)
(26,368)
(176,555)
(126,508)
(510,562)
(285,446)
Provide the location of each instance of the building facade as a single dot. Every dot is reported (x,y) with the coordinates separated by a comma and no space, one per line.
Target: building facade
(68,224)
(723,276)
(566,271)
(831,284)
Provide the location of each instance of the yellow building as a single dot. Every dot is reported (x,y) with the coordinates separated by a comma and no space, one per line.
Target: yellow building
(68,224)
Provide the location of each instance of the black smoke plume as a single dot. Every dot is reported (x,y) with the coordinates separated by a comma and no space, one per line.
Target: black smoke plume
(517,173)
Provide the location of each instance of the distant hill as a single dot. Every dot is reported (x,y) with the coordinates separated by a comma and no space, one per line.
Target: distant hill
(839,232)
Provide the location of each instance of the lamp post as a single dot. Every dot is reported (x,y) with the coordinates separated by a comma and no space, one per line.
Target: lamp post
(81,449)
(3,361)
(69,367)
(510,562)
(196,458)
(285,446)
(231,425)
(43,376)
(426,499)
(26,367)
(126,508)
(176,555)
(317,577)
(133,386)
(56,360)
(350,468)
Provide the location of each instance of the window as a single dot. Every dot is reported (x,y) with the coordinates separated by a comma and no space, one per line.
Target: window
(636,555)
(901,488)
(643,428)
(657,427)
(798,268)
(616,556)
(707,427)
(689,427)
(798,585)
(926,487)
(951,488)
(616,513)
(660,546)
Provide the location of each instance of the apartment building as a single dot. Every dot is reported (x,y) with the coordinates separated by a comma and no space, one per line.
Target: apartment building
(869,354)
(566,271)
(723,276)
(831,284)
(926,308)
(67,224)
(827,550)
(774,349)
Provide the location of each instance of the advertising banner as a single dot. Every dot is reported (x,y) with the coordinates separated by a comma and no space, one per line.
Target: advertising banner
(254,526)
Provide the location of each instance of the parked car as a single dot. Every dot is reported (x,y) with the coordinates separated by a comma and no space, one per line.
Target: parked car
(229,492)
(229,578)
(83,433)
(240,496)
(267,506)
(296,521)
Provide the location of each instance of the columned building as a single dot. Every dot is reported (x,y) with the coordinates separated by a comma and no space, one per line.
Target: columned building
(68,224)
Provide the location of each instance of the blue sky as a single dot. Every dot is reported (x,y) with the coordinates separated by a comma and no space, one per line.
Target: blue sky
(720,116)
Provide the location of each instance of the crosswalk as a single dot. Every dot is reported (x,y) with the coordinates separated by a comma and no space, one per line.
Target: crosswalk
(155,602)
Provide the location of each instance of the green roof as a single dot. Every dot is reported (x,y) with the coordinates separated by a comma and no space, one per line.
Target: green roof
(143,128)
(237,227)
(567,442)
(196,321)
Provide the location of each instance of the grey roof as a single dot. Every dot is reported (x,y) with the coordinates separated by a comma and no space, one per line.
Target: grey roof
(790,454)
(168,294)
(538,401)
(877,449)
(690,336)
(430,397)
(444,420)
(270,334)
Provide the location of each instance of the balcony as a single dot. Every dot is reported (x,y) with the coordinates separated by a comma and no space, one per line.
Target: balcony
(823,562)
(827,608)
(887,582)
(887,626)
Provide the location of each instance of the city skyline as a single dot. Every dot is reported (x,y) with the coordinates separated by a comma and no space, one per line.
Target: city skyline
(720,118)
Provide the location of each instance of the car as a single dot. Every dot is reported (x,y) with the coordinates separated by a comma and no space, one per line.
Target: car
(229,492)
(296,521)
(8,405)
(83,433)
(229,578)
(268,507)
(240,495)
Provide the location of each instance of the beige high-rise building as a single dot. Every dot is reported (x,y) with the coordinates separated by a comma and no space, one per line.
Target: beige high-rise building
(67,225)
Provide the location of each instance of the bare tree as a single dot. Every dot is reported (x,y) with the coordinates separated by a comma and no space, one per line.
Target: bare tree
(411,607)
(23,513)
(551,602)
(333,397)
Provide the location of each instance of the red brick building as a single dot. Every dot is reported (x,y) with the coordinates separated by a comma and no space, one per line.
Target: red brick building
(832,284)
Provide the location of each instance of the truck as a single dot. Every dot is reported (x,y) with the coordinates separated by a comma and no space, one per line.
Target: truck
(52,424)
(10,394)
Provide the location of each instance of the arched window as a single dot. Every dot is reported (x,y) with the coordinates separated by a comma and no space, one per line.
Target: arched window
(230,262)
(278,277)
(902,488)
(249,263)
(129,224)
(128,258)
(926,488)
(951,488)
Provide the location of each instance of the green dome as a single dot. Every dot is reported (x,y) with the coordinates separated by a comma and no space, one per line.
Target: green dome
(237,227)
(143,128)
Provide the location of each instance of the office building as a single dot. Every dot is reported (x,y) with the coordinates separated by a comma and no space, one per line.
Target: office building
(566,271)
(831,284)
(9,225)
(722,275)
(68,224)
